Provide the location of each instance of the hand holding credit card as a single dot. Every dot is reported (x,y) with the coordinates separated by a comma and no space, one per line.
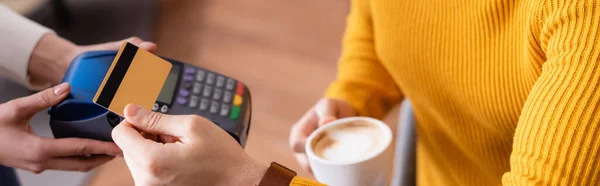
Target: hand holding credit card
(135,76)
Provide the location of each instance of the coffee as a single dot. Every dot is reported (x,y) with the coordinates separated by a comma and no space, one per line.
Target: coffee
(349,142)
(353,151)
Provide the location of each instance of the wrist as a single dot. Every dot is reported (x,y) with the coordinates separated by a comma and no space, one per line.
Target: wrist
(257,174)
(50,59)
(249,174)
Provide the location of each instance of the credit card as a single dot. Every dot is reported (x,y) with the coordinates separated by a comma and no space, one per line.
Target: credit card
(135,76)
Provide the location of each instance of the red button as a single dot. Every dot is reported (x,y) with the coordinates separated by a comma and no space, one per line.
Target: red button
(240,89)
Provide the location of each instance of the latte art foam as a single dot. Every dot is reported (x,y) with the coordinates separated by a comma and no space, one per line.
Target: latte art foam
(348,142)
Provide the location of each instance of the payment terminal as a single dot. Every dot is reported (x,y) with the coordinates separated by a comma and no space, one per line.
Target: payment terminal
(188,89)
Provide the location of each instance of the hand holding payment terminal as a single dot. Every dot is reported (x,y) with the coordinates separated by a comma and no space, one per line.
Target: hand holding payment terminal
(188,90)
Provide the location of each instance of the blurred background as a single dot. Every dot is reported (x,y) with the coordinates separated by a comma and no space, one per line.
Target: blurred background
(285,51)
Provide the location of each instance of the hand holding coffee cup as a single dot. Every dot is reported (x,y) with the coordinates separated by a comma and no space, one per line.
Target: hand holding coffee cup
(353,151)
(325,111)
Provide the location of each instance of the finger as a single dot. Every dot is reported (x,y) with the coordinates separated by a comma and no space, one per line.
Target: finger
(301,130)
(116,45)
(303,162)
(81,164)
(148,46)
(134,40)
(130,140)
(344,109)
(326,111)
(156,123)
(78,147)
(30,105)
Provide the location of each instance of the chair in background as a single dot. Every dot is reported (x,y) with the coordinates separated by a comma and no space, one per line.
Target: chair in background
(405,155)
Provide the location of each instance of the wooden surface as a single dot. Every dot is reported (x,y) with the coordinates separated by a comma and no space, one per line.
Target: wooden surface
(286,51)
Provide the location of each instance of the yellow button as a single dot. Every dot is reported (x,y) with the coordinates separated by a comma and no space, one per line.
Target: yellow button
(237,100)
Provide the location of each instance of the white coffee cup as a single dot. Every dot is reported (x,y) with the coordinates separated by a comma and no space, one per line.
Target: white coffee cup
(339,156)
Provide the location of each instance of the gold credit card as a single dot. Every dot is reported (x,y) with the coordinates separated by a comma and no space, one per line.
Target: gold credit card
(135,76)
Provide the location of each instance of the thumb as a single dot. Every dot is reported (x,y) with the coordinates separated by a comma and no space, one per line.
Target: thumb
(326,111)
(156,123)
(30,105)
(130,140)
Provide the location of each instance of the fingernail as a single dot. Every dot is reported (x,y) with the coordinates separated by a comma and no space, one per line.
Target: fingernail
(133,110)
(134,40)
(147,45)
(61,89)
(119,155)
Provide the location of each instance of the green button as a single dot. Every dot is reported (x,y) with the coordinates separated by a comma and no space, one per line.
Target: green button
(235,112)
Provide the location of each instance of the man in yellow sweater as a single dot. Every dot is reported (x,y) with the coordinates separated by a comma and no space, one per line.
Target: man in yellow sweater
(504,92)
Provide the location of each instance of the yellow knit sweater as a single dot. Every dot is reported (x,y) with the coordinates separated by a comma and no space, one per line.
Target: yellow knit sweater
(505,92)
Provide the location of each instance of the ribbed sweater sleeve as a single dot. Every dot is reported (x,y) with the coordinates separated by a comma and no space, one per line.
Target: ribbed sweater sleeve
(300,181)
(556,139)
(362,80)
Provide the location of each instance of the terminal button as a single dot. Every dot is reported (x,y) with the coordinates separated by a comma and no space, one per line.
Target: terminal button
(197,88)
(217,94)
(181,100)
(189,70)
(214,106)
(210,78)
(230,84)
(240,89)
(207,91)
(184,92)
(164,109)
(237,100)
(200,75)
(155,107)
(194,101)
(235,113)
(220,81)
(227,96)
(224,109)
(204,104)
(188,78)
